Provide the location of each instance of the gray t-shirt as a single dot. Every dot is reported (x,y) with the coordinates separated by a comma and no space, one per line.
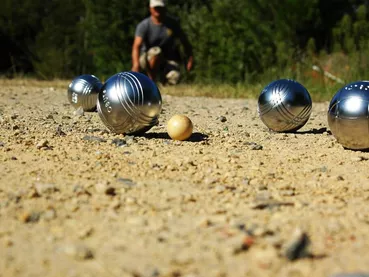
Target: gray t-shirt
(163,35)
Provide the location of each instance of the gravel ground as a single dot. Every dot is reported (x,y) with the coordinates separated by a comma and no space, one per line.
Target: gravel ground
(234,200)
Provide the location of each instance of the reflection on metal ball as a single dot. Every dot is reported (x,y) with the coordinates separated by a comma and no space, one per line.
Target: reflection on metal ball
(83,91)
(129,103)
(284,105)
(348,116)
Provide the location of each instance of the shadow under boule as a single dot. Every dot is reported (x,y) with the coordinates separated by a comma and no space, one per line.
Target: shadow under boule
(195,137)
(314,131)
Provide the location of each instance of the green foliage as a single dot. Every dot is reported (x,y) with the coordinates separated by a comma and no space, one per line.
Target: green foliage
(19,24)
(59,46)
(238,42)
(111,26)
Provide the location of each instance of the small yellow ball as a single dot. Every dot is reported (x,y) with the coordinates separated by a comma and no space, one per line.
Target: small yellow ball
(179,127)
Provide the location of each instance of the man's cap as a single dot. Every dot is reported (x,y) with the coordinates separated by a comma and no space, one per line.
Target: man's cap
(157,3)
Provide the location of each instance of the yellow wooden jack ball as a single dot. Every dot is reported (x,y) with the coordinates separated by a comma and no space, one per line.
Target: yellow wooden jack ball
(179,127)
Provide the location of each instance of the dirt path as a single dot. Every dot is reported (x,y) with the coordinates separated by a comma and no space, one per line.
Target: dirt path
(76,200)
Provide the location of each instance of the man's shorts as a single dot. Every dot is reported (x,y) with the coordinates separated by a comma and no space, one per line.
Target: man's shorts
(170,68)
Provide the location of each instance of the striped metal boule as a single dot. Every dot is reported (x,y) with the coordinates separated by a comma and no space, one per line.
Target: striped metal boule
(284,105)
(83,92)
(129,103)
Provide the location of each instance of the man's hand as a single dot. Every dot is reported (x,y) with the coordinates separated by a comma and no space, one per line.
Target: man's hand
(136,68)
(189,64)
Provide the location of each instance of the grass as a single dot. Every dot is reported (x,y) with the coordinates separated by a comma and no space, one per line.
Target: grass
(319,91)
(347,68)
(32,82)
(215,91)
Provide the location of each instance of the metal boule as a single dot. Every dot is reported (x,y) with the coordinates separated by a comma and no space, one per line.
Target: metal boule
(83,92)
(348,115)
(284,105)
(129,103)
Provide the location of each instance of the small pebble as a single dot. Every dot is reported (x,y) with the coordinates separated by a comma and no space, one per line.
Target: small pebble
(297,247)
(50,214)
(85,232)
(131,201)
(42,144)
(127,182)
(270,205)
(80,190)
(119,142)
(79,252)
(8,242)
(220,189)
(254,146)
(93,138)
(136,221)
(222,118)
(59,132)
(45,188)
(29,217)
(115,204)
(243,244)
(104,188)
(359,159)
(79,112)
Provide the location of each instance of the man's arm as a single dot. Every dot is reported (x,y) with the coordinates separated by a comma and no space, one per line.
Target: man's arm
(136,53)
(187,48)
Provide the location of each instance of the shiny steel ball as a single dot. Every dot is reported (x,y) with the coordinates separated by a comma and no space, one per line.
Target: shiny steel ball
(284,105)
(83,92)
(129,103)
(179,127)
(348,115)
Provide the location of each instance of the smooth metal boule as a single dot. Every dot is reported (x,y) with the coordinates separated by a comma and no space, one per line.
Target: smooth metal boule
(83,92)
(129,103)
(348,116)
(284,105)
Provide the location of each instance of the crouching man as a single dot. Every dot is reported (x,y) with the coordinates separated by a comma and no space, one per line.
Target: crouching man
(155,49)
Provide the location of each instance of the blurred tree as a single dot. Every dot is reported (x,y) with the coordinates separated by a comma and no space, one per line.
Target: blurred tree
(59,43)
(111,27)
(19,24)
(234,41)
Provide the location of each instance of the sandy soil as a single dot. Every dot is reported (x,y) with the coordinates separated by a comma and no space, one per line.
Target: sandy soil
(235,200)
